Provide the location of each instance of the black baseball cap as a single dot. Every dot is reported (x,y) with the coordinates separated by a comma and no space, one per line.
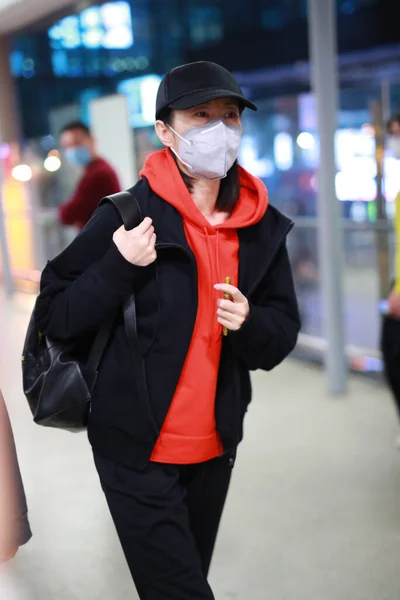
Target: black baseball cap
(197,83)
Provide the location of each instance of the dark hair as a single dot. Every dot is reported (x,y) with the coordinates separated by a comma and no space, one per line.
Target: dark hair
(76,125)
(229,190)
(392,121)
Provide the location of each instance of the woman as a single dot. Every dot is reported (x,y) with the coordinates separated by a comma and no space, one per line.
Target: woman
(165,450)
(14,526)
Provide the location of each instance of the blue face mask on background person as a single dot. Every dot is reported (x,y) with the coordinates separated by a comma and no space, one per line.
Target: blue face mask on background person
(79,156)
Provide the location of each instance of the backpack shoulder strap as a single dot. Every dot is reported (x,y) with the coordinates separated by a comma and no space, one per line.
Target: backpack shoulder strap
(127,206)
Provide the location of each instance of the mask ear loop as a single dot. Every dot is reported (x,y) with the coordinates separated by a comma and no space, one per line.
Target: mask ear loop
(179,136)
(190,167)
(182,161)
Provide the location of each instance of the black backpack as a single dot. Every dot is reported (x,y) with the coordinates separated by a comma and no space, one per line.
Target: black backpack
(57,385)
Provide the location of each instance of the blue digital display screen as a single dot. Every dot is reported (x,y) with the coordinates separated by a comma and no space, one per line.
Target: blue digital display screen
(99,27)
(141,93)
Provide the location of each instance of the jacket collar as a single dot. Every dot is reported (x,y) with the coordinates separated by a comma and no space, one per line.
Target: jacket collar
(258,247)
(167,221)
(259,244)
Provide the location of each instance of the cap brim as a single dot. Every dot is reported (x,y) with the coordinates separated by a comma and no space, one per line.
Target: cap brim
(203,96)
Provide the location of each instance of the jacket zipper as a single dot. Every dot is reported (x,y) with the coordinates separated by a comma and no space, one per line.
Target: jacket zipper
(277,247)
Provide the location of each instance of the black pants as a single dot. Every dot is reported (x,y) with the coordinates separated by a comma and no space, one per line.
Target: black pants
(167,519)
(390,346)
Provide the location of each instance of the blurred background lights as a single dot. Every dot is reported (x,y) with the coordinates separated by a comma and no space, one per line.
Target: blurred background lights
(368,129)
(283,151)
(52,163)
(263,167)
(22,173)
(5,151)
(306,141)
(91,17)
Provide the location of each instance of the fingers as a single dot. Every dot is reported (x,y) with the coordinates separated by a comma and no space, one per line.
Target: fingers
(231,316)
(137,246)
(120,230)
(228,324)
(145,237)
(144,226)
(232,313)
(152,248)
(232,308)
(227,316)
(236,294)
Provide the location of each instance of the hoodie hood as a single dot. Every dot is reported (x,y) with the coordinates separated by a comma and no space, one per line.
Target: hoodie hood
(164,177)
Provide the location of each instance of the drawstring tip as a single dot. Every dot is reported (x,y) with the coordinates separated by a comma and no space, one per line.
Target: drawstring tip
(228,281)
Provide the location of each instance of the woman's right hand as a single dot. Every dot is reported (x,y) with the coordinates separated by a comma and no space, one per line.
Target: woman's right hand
(137,246)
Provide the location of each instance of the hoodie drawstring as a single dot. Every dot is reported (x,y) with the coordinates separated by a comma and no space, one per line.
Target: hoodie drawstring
(215,270)
(219,275)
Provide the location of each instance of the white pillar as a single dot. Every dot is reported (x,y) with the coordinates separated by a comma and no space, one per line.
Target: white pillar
(9,118)
(323,54)
(9,133)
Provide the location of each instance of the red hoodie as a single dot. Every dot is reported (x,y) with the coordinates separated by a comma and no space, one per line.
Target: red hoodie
(189,432)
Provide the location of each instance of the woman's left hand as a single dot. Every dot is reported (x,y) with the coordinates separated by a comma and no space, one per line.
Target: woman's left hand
(232,313)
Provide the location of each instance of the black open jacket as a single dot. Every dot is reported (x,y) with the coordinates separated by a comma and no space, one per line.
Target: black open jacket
(90,280)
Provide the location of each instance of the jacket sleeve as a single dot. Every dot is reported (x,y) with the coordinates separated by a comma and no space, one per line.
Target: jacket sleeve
(87,282)
(270,333)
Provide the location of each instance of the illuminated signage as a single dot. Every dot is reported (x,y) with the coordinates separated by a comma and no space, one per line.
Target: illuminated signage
(108,26)
(141,93)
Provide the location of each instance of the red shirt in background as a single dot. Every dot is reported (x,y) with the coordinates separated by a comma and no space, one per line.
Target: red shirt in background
(99,180)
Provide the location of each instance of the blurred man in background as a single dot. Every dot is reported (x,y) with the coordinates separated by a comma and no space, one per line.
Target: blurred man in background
(98,180)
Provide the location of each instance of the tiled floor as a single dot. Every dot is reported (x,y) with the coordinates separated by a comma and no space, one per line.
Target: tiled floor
(313,514)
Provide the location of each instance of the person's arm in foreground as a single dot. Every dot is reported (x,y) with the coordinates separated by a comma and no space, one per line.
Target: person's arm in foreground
(394,297)
(14,524)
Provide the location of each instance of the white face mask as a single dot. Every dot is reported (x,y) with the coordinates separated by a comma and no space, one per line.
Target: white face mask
(394,146)
(210,151)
